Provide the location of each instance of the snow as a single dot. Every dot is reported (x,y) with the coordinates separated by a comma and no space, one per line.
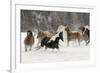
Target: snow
(72,53)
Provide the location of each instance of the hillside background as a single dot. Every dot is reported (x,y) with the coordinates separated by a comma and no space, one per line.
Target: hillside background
(50,20)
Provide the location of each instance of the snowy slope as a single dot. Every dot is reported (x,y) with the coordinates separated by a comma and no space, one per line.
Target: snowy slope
(72,53)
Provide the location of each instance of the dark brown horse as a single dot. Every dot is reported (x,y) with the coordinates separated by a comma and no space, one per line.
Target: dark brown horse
(29,40)
(72,35)
(85,34)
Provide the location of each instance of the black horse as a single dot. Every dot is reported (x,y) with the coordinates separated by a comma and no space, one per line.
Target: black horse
(52,43)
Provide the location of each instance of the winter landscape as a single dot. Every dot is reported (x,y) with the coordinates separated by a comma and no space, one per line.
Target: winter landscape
(55,22)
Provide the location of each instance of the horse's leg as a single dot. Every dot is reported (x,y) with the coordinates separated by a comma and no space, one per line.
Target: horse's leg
(45,48)
(25,48)
(79,41)
(30,48)
(67,43)
(87,42)
(58,49)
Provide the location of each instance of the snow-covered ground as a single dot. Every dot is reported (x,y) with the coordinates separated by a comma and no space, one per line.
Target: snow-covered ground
(72,53)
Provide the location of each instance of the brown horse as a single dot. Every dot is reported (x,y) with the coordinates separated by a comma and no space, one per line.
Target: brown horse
(29,40)
(72,35)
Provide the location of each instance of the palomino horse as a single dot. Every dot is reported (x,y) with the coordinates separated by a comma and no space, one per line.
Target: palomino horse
(72,35)
(29,40)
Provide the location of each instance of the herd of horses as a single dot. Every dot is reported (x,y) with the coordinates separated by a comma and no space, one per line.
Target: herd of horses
(50,40)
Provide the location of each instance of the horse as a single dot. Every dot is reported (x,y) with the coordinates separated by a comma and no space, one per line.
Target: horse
(29,40)
(72,35)
(61,28)
(85,33)
(52,43)
(43,34)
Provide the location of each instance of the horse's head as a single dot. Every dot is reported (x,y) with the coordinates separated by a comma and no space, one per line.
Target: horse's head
(67,29)
(29,33)
(61,36)
(82,28)
(39,34)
